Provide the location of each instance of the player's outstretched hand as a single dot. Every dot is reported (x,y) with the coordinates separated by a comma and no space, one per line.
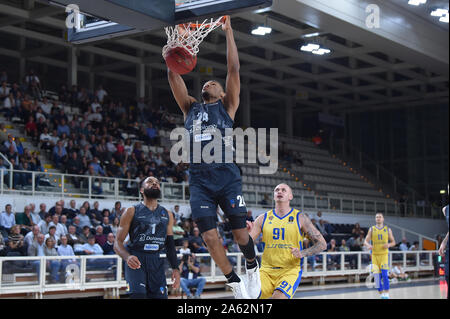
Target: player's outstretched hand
(133,262)
(296,252)
(249,226)
(227,24)
(176,279)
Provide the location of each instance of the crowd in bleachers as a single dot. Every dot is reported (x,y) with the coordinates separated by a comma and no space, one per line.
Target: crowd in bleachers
(104,138)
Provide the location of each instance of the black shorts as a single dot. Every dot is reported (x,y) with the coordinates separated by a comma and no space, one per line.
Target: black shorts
(150,279)
(213,185)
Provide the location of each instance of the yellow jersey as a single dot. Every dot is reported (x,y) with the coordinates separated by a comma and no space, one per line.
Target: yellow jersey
(279,235)
(379,238)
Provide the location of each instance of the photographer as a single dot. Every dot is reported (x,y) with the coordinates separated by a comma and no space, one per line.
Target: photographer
(190,276)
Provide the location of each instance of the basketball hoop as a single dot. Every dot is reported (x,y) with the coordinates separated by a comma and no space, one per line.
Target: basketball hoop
(190,35)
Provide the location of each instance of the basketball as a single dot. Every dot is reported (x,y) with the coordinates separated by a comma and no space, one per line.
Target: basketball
(180,61)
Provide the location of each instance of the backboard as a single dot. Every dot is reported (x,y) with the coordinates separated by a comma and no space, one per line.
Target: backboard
(102,19)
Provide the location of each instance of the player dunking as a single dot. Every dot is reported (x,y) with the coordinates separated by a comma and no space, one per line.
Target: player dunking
(149,226)
(213,184)
(283,231)
(382,239)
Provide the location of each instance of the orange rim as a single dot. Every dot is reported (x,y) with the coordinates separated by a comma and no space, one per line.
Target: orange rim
(194,26)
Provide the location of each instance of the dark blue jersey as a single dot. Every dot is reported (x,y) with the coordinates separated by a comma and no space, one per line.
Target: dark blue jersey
(148,229)
(207,123)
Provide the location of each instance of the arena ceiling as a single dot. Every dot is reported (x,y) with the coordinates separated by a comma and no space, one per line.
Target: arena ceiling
(402,64)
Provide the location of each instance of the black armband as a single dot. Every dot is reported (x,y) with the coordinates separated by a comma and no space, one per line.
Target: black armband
(171,252)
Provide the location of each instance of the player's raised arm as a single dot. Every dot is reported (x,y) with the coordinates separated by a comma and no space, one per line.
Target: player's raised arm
(122,232)
(233,83)
(180,92)
(319,243)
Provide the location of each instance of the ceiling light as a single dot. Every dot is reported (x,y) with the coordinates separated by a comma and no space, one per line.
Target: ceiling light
(321,51)
(310,47)
(444,18)
(417,2)
(439,12)
(310,35)
(262,31)
(442,14)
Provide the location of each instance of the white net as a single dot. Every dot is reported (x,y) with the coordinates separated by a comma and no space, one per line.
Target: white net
(190,35)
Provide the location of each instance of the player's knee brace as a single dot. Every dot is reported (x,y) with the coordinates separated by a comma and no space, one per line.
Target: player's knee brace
(248,250)
(385,276)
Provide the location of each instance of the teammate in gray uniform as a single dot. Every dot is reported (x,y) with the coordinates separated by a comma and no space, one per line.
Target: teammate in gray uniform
(149,226)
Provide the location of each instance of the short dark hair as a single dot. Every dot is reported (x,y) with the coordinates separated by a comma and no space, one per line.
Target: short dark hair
(54,227)
(91,237)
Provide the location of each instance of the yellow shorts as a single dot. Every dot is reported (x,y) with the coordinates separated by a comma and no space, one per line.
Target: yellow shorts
(380,262)
(285,280)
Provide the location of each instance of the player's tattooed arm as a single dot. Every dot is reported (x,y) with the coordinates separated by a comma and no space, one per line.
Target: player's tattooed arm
(318,242)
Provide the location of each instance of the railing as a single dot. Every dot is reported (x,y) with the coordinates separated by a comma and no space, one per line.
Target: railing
(38,275)
(68,185)
(3,171)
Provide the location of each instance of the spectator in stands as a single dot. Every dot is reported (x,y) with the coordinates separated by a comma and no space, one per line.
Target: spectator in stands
(24,220)
(106,224)
(185,247)
(4,90)
(42,210)
(44,224)
(31,236)
(85,233)
(333,261)
(356,229)
(9,107)
(52,234)
(76,223)
(95,215)
(74,166)
(108,246)
(191,277)
(60,228)
(404,245)
(84,218)
(116,211)
(100,237)
(64,249)
(91,247)
(72,210)
(15,245)
(36,218)
(101,94)
(414,246)
(178,234)
(50,250)
(59,154)
(115,225)
(321,227)
(196,242)
(151,134)
(398,273)
(31,128)
(37,248)
(7,220)
(351,258)
(46,140)
(72,237)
